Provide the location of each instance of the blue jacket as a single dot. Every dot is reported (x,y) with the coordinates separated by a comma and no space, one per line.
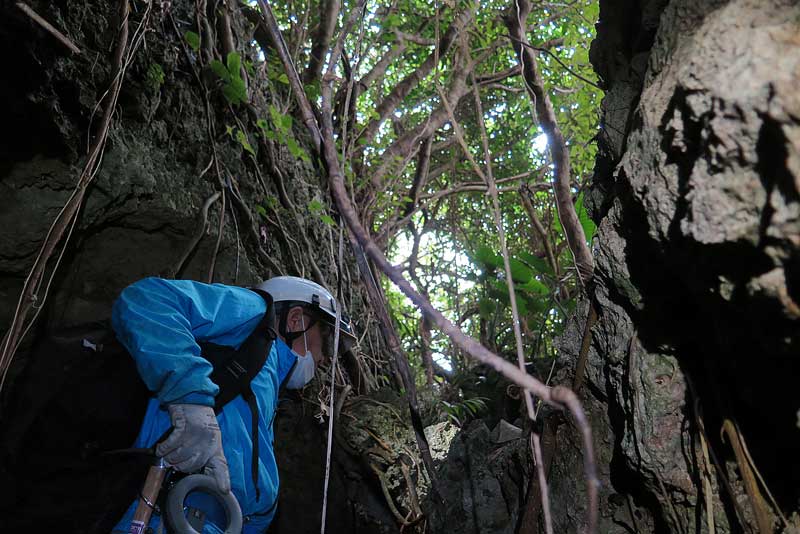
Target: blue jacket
(160,322)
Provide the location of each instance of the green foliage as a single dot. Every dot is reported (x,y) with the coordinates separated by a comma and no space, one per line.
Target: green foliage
(193,40)
(459,265)
(233,89)
(154,78)
(282,133)
(270,203)
(588,225)
(240,137)
(462,411)
(316,207)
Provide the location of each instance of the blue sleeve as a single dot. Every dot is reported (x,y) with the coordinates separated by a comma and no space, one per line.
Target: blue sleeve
(161,321)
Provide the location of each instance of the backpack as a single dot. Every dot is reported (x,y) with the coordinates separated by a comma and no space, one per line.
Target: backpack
(80,397)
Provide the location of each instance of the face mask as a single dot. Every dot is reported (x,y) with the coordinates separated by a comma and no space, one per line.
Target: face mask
(304,368)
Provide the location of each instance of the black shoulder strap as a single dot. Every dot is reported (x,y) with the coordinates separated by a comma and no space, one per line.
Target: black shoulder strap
(235,369)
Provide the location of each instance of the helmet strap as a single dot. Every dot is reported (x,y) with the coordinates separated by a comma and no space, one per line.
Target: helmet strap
(303,323)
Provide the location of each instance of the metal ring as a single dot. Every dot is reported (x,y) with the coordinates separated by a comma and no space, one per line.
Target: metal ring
(208,485)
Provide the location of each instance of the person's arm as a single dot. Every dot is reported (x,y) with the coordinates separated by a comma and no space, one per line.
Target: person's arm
(160,322)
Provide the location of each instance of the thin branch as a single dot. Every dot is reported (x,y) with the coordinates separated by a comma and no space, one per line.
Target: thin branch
(413,38)
(558,60)
(493,77)
(402,89)
(202,220)
(763,518)
(213,265)
(498,221)
(479,187)
(49,27)
(573,231)
(383,63)
(420,176)
(583,356)
(328,15)
(537,456)
(525,192)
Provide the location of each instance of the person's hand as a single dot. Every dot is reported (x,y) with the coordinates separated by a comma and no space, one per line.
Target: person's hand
(195,443)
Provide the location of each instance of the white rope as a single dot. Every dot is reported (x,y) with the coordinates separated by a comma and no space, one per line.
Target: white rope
(332,386)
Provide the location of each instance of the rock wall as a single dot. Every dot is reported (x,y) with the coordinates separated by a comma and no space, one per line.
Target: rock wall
(697,196)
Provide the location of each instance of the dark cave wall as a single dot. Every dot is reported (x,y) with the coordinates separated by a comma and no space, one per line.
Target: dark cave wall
(142,213)
(696,193)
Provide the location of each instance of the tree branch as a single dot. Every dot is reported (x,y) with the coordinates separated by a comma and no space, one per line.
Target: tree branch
(525,192)
(379,69)
(328,15)
(420,176)
(573,231)
(403,146)
(306,111)
(402,89)
(413,38)
(47,26)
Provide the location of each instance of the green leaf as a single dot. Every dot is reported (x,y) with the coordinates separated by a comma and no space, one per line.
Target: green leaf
(241,89)
(286,122)
(487,257)
(261,210)
(536,304)
(327,219)
(234,62)
(295,149)
(392,21)
(534,286)
(499,290)
(193,39)
(242,138)
(230,94)
(486,307)
(520,272)
(276,117)
(220,70)
(587,223)
(536,262)
(315,205)
(312,90)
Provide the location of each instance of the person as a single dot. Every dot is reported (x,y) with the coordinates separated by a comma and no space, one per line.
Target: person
(163,324)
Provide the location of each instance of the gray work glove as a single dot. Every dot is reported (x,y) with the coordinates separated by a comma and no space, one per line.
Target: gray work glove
(196,443)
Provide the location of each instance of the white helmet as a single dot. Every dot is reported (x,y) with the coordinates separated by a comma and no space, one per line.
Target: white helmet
(312,296)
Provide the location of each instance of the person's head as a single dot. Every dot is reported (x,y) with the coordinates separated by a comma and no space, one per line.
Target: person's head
(305,313)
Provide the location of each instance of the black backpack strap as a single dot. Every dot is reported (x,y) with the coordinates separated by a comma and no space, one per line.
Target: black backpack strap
(240,367)
(235,369)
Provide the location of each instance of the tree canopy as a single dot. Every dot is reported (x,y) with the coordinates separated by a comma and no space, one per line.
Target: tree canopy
(414,81)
